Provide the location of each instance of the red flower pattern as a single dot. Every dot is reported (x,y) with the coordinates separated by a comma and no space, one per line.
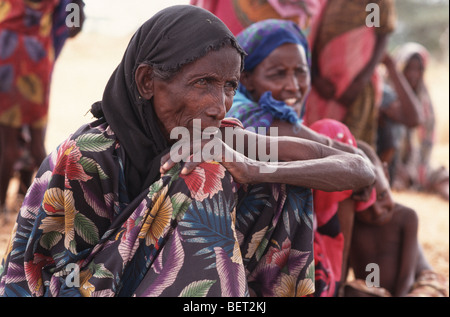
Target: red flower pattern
(205,180)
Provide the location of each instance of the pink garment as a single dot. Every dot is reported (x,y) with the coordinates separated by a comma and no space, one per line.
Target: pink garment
(340,62)
(239,14)
(328,250)
(326,203)
(305,10)
(223,9)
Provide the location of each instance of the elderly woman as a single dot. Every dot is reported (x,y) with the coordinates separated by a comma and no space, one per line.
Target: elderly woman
(104,218)
(272,92)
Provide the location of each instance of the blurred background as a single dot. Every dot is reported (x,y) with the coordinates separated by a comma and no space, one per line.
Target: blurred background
(87,61)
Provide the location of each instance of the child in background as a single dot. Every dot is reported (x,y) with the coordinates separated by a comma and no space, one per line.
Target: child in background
(386,234)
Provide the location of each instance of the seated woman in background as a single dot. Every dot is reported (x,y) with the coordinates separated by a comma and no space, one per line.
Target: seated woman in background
(115,204)
(272,91)
(413,167)
(400,109)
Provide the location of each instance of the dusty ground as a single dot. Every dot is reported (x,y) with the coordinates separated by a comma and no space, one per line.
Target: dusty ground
(87,62)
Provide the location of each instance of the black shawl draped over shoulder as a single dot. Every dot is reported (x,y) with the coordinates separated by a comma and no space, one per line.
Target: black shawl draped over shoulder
(169,40)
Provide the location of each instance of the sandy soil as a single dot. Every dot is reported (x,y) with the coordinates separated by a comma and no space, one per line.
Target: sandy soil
(88,61)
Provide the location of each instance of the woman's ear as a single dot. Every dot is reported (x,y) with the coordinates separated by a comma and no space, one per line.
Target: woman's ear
(144,81)
(246,80)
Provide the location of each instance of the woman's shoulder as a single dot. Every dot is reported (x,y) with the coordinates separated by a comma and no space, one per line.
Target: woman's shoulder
(93,137)
(406,215)
(98,126)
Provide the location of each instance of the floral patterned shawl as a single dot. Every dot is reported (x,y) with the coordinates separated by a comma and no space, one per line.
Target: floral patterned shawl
(77,234)
(81,231)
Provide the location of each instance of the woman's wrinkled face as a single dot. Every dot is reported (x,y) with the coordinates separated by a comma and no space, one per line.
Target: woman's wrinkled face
(202,90)
(284,72)
(414,71)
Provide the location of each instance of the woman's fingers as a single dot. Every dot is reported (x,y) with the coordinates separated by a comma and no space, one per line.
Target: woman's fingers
(189,167)
(193,154)
(176,154)
(166,164)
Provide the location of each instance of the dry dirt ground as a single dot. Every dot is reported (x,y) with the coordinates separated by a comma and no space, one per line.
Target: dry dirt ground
(88,60)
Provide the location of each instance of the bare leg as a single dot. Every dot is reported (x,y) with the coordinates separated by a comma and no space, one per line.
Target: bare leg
(9,153)
(37,147)
(422,263)
(346,215)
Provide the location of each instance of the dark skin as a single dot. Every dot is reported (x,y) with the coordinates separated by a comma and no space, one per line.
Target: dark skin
(285,73)
(386,234)
(414,74)
(204,90)
(406,109)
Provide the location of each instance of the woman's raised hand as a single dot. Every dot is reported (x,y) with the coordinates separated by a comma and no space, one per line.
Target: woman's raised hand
(194,153)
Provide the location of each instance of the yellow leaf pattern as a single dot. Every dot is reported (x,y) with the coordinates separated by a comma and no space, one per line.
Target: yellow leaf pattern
(5,7)
(158,219)
(256,241)
(30,86)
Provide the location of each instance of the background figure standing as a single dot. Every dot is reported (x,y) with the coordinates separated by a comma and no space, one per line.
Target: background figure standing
(345,53)
(32,34)
(239,14)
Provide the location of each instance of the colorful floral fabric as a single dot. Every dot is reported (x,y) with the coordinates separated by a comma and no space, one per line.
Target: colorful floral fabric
(275,231)
(77,233)
(26,61)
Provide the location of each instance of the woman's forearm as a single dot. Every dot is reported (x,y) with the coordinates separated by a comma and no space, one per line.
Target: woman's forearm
(410,113)
(307,133)
(302,162)
(332,173)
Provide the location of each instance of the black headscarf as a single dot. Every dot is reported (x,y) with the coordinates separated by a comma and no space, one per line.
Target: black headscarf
(172,38)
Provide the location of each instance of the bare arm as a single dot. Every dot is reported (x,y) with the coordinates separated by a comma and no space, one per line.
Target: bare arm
(292,161)
(287,129)
(407,109)
(310,164)
(409,254)
(346,214)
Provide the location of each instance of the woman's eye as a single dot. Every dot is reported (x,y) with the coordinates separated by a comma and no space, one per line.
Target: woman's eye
(202,81)
(381,195)
(231,87)
(279,73)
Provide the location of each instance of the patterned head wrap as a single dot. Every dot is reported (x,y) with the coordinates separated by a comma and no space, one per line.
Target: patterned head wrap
(261,38)
(258,41)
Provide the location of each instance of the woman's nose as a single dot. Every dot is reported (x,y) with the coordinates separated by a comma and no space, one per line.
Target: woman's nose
(292,84)
(378,210)
(383,207)
(217,108)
